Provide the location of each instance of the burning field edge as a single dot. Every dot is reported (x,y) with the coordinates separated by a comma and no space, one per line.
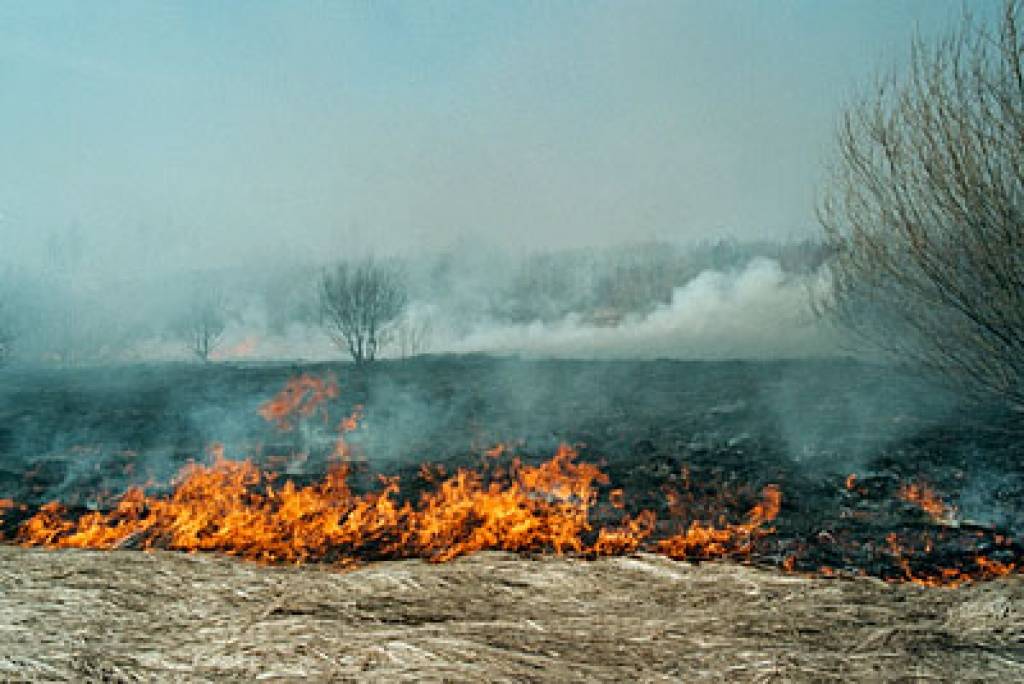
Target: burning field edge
(561,505)
(127,616)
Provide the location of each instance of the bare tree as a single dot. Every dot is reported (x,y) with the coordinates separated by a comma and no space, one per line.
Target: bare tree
(360,304)
(925,213)
(204,323)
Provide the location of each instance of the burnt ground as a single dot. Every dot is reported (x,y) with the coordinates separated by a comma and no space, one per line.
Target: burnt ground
(82,436)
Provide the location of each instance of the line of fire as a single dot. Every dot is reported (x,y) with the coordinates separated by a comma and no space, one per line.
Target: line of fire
(561,505)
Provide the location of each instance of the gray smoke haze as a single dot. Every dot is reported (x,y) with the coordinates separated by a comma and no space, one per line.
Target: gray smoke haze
(151,140)
(716,300)
(169,151)
(755,312)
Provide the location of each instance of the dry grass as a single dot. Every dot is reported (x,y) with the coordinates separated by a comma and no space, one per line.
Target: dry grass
(126,616)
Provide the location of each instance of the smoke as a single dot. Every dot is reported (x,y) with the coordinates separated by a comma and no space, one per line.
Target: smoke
(755,312)
(649,300)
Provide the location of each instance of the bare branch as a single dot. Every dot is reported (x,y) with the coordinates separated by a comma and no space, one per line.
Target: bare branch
(925,211)
(360,303)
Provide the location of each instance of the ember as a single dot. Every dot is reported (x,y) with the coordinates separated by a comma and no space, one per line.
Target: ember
(301,396)
(925,497)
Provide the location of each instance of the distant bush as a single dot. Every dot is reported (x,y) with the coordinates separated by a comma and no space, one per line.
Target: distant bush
(360,304)
(204,322)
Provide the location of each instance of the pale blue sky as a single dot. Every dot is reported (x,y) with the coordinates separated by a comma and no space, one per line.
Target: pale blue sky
(214,132)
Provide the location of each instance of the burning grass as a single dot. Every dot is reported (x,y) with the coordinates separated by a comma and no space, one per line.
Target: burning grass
(235,507)
(125,616)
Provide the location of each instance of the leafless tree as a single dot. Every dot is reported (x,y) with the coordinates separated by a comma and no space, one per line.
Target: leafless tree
(925,211)
(360,304)
(205,322)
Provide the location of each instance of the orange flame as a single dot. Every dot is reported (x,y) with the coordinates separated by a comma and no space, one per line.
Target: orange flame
(700,540)
(926,499)
(5,504)
(234,508)
(950,578)
(342,450)
(302,396)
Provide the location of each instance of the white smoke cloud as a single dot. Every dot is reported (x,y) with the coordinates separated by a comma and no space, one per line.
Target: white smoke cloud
(757,312)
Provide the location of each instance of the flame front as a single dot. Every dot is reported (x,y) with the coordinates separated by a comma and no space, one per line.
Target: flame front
(233,507)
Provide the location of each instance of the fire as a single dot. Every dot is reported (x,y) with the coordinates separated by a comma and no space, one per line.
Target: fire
(237,508)
(342,450)
(617,499)
(538,508)
(5,504)
(700,540)
(993,567)
(851,481)
(985,568)
(925,497)
(626,538)
(233,507)
(301,396)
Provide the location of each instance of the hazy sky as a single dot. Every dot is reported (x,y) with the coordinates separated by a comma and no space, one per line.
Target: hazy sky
(215,132)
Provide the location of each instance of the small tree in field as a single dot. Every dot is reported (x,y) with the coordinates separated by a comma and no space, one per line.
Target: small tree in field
(204,323)
(360,304)
(925,214)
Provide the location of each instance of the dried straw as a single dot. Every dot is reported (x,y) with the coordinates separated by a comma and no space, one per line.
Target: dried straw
(131,616)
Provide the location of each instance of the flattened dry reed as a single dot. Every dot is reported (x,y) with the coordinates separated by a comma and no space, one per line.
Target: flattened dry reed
(129,616)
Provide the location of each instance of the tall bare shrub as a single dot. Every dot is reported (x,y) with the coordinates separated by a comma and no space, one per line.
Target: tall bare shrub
(205,322)
(925,211)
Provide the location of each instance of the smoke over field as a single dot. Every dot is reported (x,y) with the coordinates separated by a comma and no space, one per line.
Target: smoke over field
(722,299)
(755,312)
